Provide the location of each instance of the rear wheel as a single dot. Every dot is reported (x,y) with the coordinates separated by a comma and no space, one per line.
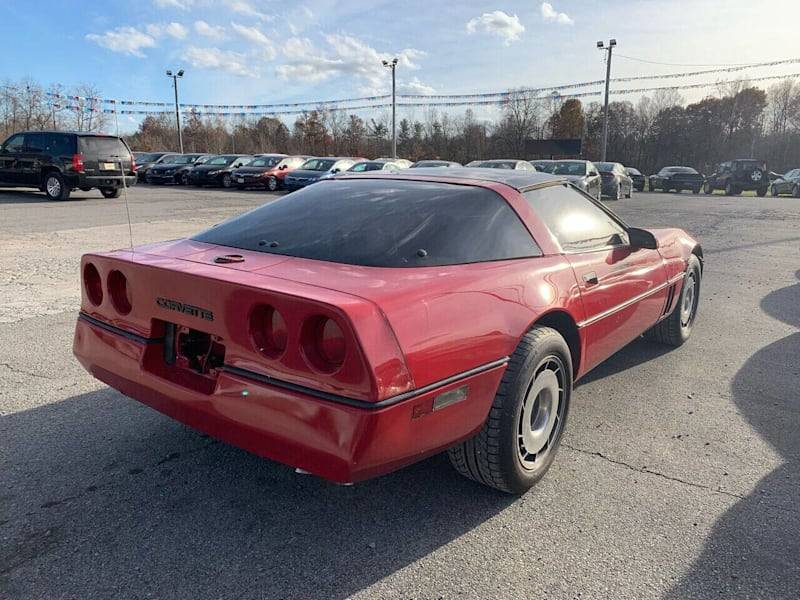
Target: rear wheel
(707,188)
(111,192)
(55,187)
(677,327)
(762,191)
(520,437)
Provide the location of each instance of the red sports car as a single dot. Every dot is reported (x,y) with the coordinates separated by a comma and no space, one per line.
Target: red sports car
(369,321)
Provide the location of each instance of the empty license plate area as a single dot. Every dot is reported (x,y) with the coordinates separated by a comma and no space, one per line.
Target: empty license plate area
(187,356)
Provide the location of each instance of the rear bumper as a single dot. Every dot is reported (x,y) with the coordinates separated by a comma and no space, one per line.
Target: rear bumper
(334,440)
(104,181)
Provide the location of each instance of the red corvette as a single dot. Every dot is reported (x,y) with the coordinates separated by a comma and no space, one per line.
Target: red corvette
(369,321)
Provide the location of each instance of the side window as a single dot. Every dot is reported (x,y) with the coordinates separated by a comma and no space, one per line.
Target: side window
(35,142)
(577,223)
(14,144)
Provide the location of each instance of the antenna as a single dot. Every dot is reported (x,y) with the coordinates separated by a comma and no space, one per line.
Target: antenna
(124,185)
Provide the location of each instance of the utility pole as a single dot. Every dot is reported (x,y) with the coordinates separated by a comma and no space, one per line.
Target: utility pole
(612,42)
(177,110)
(392,64)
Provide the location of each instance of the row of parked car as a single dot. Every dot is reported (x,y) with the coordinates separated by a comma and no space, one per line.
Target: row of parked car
(733,177)
(281,171)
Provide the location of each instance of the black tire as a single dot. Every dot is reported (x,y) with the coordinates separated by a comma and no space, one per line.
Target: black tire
(111,192)
(761,192)
(796,191)
(226,180)
(497,455)
(677,327)
(182,179)
(696,190)
(773,190)
(707,188)
(273,184)
(55,187)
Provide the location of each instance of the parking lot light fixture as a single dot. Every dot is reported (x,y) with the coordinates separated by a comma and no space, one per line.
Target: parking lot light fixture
(601,46)
(392,64)
(175,76)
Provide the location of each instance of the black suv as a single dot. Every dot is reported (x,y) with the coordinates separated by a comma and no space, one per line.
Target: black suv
(57,162)
(736,176)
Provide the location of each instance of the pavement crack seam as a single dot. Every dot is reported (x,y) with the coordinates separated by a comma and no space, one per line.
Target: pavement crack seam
(647,471)
(24,372)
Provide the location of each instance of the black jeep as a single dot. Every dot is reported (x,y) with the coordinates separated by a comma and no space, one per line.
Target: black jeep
(736,176)
(57,162)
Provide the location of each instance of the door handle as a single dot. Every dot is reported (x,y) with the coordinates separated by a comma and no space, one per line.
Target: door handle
(590,278)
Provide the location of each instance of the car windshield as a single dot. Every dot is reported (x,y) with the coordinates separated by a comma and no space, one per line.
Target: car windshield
(605,167)
(145,157)
(183,159)
(569,168)
(264,161)
(172,159)
(498,164)
(381,223)
(687,170)
(366,166)
(221,160)
(318,164)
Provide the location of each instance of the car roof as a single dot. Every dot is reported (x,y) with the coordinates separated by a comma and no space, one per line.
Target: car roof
(81,133)
(518,180)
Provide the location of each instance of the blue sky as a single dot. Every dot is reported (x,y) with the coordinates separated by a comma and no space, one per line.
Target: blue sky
(259,51)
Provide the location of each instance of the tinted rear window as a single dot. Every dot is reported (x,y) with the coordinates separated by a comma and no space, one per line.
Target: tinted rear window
(102,146)
(382,224)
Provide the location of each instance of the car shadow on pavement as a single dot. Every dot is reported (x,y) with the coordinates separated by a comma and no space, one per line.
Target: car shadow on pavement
(10,196)
(102,497)
(634,354)
(753,549)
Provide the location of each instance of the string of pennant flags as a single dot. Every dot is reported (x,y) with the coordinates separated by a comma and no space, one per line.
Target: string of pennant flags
(98,105)
(503,96)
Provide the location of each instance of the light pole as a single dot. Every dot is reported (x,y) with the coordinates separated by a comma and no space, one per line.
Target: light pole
(392,64)
(175,78)
(611,43)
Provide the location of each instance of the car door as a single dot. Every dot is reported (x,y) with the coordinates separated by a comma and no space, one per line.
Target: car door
(623,289)
(9,155)
(592,181)
(29,161)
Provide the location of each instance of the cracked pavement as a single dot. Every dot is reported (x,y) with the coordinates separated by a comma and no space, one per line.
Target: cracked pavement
(678,477)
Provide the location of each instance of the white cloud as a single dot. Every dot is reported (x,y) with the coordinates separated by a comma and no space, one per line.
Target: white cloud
(345,55)
(125,40)
(173,29)
(220,60)
(415,86)
(245,8)
(497,23)
(551,15)
(179,4)
(210,31)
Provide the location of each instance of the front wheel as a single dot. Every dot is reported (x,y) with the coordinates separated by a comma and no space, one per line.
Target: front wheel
(227,182)
(111,192)
(520,437)
(272,184)
(677,327)
(183,179)
(55,187)
(796,191)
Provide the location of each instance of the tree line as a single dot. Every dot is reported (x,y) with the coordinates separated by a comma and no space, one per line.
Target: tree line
(738,120)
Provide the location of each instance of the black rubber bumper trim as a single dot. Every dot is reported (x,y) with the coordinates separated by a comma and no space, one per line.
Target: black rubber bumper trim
(363,404)
(134,337)
(301,389)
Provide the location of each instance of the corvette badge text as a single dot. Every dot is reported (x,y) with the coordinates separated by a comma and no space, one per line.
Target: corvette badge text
(188,309)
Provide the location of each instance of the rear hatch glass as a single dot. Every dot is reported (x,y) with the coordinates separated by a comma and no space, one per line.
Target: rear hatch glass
(103,154)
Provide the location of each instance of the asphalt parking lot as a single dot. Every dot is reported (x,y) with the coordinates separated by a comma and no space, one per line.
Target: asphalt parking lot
(678,476)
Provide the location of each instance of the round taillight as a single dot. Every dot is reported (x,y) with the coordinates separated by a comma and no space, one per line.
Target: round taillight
(92,284)
(119,292)
(269,331)
(324,344)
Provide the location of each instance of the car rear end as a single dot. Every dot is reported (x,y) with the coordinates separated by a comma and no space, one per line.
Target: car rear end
(750,175)
(609,184)
(637,178)
(685,181)
(103,163)
(304,375)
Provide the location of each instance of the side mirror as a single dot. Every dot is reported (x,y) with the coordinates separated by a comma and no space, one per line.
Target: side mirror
(282,167)
(641,238)
(335,170)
